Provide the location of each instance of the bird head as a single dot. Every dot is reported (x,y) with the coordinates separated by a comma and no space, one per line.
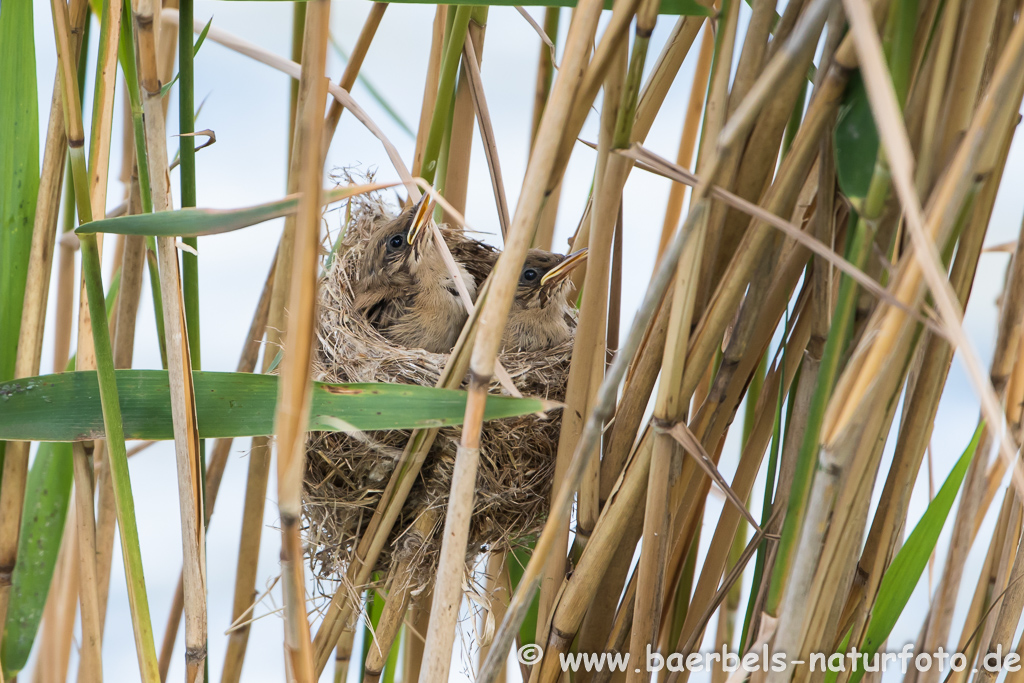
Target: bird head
(545,277)
(392,253)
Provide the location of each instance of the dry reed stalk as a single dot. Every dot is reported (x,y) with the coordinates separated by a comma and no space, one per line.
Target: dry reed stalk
(430,87)
(396,602)
(580,589)
(129,259)
(103,106)
(183,415)
(417,624)
(294,397)
(90,666)
(542,87)
(218,461)
(483,118)
(57,630)
(30,336)
(688,140)
(497,586)
(588,360)
(724,234)
(975,33)
(460,145)
(252,527)
(940,63)
(125,317)
(923,394)
(495,309)
(746,471)
(352,67)
(926,265)
(670,405)
(949,194)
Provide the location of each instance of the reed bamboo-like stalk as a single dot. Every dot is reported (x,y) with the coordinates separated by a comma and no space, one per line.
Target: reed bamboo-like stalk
(541,90)
(103,352)
(688,140)
(588,360)
(217,464)
(670,406)
(30,335)
(294,395)
(483,118)
(351,72)
(395,605)
(57,630)
(495,308)
(179,357)
(91,664)
(430,87)
(460,145)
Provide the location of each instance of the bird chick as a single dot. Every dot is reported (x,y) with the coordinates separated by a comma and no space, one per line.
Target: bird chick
(540,315)
(405,289)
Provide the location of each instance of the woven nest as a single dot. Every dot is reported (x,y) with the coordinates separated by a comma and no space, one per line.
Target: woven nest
(346,473)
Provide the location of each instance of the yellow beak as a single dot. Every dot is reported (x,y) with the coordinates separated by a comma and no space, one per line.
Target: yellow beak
(421,213)
(562,270)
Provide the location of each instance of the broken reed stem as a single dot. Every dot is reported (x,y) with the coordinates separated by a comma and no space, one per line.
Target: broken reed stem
(495,309)
(294,394)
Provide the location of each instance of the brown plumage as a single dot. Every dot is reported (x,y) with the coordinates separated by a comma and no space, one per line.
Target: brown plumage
(405,289)
(540,315)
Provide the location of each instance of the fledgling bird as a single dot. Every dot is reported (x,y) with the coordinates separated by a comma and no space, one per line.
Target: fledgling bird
(540,315)
(405,289)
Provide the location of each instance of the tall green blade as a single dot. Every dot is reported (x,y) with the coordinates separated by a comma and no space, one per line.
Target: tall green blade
(42,525)
(903,574)
(66,407)
(19,171)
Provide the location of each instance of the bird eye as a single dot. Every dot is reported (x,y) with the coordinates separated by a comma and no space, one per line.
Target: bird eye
(529,275)
(396,242)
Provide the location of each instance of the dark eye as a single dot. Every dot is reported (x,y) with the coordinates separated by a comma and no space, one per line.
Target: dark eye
(396,242)
(529,275)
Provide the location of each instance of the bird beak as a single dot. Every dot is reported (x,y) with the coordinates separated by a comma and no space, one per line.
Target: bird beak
(421,213)
(568,264)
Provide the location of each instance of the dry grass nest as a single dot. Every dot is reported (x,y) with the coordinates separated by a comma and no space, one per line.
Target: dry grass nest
(346,474)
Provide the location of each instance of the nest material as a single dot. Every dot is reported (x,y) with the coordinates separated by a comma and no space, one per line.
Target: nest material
(347,473)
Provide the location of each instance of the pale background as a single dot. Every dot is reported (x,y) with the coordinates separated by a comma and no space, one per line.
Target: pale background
(246,104)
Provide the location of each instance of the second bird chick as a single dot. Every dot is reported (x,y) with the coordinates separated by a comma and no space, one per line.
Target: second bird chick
(405,289)
(541,310)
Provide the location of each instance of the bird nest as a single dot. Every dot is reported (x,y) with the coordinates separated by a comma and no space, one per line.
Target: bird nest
(347,473)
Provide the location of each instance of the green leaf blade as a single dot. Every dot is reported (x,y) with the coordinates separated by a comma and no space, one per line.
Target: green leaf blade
(47,497)
(19,170)
(901,578)
(66,407)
